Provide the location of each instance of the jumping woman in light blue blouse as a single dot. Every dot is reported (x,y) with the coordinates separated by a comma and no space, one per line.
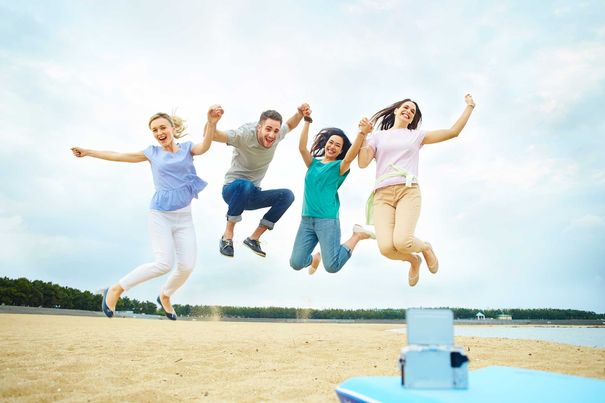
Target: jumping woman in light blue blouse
(170,222)
(320,222)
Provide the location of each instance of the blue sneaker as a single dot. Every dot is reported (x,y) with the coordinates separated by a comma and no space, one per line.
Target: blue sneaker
(108,312)
(254,244)
(226,247)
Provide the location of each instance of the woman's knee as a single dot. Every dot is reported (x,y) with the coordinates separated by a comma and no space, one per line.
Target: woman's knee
(163,266)
(297,263)
(332,268)
(185,267)
(404,244)
(386,249)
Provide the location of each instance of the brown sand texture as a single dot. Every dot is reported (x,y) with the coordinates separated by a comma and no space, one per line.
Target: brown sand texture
(78,359)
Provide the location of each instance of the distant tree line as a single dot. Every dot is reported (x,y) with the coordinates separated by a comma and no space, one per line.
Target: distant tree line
(23,292)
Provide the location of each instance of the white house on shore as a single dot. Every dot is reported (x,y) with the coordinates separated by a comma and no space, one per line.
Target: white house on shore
(480,316)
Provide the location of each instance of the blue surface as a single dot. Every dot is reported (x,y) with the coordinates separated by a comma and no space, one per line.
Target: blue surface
(491,384)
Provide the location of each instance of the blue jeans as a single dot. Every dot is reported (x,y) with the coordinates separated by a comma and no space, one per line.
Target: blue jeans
(326,231)
(241,194)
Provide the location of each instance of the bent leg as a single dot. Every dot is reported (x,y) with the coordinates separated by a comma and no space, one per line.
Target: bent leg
(186,253)
(334,255)
(237,195)
(407,212)
(160,229)
(278,199)
(305,242)
(385,201)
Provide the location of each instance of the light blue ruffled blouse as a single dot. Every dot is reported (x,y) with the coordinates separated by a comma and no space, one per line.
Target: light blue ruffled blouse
(176,182)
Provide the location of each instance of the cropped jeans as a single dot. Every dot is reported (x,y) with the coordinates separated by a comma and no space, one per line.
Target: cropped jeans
(242,194)
(326,231)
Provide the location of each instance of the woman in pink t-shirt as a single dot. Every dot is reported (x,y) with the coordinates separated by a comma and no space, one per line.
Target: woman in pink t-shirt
(395,202)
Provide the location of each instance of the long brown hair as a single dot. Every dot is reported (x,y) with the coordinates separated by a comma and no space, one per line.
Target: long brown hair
(384,119)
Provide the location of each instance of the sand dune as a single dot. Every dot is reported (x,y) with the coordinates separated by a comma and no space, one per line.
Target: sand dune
(48,358)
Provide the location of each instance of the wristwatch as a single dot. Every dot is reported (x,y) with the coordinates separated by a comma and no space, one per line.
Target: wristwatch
(308,119)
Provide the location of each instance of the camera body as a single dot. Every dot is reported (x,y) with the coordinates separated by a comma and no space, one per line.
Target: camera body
(430,360)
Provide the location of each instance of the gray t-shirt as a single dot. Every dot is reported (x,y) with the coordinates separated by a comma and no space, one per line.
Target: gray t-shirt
(250,160)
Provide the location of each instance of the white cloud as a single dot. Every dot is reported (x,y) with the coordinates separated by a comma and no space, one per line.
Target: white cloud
(587,221)
(563,76)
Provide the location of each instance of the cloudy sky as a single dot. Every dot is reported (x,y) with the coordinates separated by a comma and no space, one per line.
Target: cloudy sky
(514,207)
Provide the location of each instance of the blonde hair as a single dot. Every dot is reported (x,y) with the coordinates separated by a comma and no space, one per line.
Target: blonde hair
(175,121)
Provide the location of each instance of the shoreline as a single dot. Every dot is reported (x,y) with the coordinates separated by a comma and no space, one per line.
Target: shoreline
(9,309)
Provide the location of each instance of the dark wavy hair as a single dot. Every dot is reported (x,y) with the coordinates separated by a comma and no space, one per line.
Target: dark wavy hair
(318,148)
(384,119)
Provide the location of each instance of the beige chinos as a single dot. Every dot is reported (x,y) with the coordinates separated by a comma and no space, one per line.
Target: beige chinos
(396,212)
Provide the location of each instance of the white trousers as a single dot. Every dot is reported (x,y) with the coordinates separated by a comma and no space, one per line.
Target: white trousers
(172,236)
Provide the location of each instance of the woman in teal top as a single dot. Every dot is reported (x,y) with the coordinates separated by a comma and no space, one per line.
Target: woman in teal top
(319,222)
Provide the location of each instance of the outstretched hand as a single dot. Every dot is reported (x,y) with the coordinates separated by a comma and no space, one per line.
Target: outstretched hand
(468,98)
(79,152)
(304,109)
(215,112)
(365,126)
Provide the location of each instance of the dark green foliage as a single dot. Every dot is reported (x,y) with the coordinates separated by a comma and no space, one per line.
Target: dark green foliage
(22,292)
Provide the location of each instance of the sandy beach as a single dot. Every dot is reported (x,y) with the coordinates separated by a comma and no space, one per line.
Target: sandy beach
(67,358)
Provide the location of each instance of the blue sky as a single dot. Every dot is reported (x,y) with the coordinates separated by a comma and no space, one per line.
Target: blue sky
(514,207)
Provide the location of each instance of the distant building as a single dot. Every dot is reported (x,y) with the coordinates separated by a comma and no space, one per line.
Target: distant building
(480,316)
(504,316)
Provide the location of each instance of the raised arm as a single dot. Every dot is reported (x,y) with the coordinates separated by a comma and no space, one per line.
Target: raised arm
(215,112)
(218,135)
(303,110)
(109,155)
(302,142)
(365,156)
(437,136)
(365,127)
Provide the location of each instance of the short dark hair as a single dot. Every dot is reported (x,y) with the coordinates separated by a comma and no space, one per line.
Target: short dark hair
(321,139)
(270,114)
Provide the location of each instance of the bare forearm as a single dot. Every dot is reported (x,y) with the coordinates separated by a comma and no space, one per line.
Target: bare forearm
(437,136)
(462,120)
(365,156)
(302,145)
(204,146)
(304,137)
(116,156)
(355,147)
(294,120)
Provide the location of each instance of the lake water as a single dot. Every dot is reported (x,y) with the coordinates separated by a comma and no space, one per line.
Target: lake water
(579,336)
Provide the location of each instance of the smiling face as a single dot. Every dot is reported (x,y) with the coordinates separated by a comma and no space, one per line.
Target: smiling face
(267,132)
(162,131)
(333,147)
(405,114)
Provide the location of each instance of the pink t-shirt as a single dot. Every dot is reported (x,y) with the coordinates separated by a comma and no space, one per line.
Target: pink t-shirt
(396,146)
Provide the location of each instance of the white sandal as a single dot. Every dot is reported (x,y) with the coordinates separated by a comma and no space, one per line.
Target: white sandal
(361,230)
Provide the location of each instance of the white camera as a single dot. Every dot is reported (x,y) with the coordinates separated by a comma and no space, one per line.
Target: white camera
(430,360)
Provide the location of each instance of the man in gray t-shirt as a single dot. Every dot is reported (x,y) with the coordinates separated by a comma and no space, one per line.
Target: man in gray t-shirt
(254,145)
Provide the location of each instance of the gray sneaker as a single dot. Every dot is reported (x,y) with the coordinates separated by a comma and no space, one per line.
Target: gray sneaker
(226,247)
(255,246)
